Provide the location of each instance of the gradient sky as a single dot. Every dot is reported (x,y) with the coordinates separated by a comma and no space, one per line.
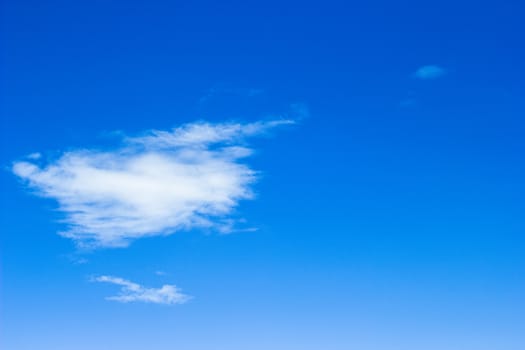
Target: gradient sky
(387,214)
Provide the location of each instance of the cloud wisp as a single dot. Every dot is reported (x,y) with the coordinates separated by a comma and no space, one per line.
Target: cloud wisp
(168,294)
(429,72)
(159,183)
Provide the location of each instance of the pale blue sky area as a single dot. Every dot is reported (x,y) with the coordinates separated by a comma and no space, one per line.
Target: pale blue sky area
(271,175)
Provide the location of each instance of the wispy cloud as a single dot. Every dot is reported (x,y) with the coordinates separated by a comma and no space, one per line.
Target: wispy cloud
(429,72)
(156,184)
(133,292)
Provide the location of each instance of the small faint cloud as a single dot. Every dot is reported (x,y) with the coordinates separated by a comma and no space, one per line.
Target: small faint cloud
(254,92)
(249,229)
(81,261)
(76,259)
(160,273)
(429,72)
(34,156)
(168,294)
(229,226)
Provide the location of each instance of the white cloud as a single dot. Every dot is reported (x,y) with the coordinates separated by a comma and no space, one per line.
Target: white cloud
(429,72)
(134,292)
(156,184)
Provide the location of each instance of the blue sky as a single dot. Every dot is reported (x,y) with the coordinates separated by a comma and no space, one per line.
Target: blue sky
(264,175)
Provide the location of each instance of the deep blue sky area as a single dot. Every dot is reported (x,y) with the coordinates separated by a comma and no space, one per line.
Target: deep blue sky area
(390,216)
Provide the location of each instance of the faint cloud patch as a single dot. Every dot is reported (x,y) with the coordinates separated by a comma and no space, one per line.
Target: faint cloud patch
(429,72)
(34,156)
(168,294)
(76,259)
